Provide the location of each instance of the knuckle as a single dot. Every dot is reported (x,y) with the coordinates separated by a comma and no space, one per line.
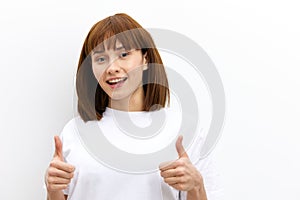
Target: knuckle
(179,186)
(181,171)
(71,168)
(53,172)
(50,187)
(161,174)
(166,174)
(50,180)
(50,172)
(181,179)
(52,163)
(180,162)
(166,180)
(70,175)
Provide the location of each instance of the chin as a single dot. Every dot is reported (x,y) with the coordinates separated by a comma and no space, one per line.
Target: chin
(117,96)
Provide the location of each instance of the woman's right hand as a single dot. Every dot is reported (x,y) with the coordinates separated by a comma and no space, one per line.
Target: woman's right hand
(59,173)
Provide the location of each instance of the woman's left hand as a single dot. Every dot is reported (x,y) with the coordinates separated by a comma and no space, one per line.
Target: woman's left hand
(181,174)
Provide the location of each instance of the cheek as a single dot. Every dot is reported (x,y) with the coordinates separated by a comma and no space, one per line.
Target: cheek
(135,68)
(136,78)
(97,73)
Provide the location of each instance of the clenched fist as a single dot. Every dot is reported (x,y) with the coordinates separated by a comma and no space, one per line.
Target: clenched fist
(59,173)
(183,175)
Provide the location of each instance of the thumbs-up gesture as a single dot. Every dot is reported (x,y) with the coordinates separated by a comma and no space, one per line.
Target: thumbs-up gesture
(181,174)
(59,173)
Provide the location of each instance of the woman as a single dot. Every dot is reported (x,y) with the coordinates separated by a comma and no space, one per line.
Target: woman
(120,70)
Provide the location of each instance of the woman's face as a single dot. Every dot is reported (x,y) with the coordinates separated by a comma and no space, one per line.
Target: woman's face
(118,71)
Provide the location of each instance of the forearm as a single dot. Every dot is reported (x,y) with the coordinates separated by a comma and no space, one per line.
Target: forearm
(198,192)
(58,195)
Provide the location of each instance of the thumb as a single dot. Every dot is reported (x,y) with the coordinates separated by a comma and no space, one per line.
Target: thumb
(58,148)
(180,149)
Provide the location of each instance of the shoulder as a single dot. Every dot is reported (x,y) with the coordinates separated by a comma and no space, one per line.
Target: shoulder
(70,129)
(73,123)
(70,126)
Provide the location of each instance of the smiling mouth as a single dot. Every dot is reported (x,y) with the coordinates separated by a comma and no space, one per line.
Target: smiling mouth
(116,81)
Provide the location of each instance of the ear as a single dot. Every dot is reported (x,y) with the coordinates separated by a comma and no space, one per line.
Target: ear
(145,63)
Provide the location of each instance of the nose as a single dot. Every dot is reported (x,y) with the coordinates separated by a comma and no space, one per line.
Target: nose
(113,67)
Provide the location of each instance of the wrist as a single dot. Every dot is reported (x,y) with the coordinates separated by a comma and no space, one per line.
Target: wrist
(55,195)
(198,191)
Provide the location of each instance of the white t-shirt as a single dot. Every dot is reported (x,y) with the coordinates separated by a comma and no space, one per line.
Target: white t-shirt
(94,180)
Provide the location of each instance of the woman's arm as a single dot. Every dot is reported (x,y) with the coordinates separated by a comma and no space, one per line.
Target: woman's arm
(198,192)
(57,196)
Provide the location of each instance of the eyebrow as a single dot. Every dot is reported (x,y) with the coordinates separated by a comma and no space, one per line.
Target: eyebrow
(94,52)
(119,48)
(102,51)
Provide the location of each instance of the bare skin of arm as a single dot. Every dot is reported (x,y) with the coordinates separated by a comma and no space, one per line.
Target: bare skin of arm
(57,196)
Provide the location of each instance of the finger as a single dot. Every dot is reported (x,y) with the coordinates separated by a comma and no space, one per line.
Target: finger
(168,173)
(172,172)
(58,180)
(180,149)
(166,165)
(62,166)
(59,173)
(56,187)
(179,186)
(173,180)
(58,148)
(173,165)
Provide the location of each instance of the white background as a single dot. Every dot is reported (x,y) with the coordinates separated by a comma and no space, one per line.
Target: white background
(254,44)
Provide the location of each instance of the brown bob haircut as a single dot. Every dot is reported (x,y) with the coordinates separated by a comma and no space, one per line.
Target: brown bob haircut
(92,100)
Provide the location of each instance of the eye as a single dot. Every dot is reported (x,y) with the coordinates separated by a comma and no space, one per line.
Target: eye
(124,54)
(100,59)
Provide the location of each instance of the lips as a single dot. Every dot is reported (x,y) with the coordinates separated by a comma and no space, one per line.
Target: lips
(114,81)
(117,81)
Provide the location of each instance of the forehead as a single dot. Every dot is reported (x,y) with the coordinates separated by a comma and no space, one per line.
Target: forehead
(108,45)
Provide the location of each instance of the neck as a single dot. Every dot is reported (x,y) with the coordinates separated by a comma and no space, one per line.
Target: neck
(135,102)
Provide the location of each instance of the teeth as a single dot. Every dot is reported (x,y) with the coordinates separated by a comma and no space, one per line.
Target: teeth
(116,80)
